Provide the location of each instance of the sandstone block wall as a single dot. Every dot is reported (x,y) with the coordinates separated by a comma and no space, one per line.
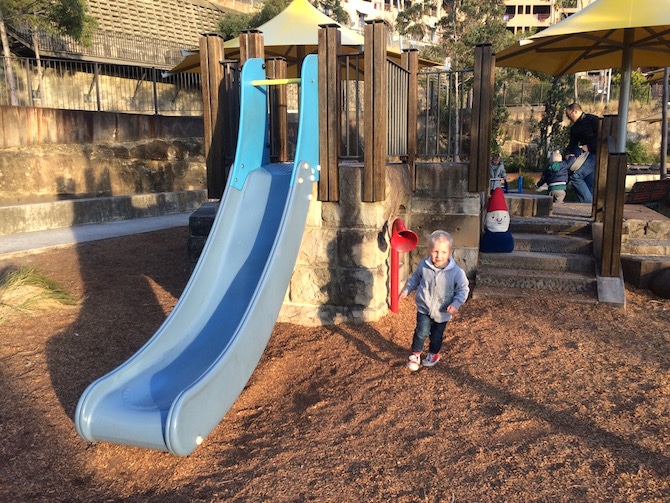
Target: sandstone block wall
(343,269)
(50,172)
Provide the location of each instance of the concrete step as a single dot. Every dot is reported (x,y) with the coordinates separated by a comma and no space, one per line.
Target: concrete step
(538,261)
(638,270)
(538,280)
(16,219)
(480,292)
(552,243)
(550,225)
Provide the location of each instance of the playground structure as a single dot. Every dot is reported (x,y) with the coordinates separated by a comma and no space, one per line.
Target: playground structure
(395,179)
(179,385)
(175,390)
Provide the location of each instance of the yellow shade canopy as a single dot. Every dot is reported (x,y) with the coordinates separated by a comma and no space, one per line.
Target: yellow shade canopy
(291,34)
(595,38)
(604,34)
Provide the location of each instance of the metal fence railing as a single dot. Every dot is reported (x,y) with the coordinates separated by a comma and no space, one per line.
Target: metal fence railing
(77,85)
(140,49)
(398,92)
(444,114)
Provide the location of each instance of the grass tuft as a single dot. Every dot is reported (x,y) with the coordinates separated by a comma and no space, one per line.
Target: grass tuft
(26,289)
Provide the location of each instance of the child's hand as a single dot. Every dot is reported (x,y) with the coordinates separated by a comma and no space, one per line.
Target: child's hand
(402,295)
(452,310)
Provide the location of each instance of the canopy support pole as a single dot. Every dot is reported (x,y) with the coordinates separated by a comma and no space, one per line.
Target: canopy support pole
(624,95)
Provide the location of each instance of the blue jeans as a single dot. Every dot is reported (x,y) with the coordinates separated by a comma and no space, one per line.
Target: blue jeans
(426,327)
(582,180)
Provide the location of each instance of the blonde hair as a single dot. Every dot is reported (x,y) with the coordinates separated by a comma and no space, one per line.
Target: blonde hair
(441,236)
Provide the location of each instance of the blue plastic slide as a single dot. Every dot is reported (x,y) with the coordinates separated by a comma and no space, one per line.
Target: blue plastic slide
(174,391)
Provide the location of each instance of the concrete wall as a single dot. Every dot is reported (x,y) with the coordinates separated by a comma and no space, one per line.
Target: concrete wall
(342,272)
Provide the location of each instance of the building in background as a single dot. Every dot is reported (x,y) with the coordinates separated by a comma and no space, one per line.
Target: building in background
(535,15)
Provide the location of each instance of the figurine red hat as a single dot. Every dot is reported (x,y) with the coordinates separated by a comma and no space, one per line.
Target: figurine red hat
(497,201)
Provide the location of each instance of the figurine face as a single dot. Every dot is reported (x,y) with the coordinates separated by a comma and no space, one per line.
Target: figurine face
(497,221)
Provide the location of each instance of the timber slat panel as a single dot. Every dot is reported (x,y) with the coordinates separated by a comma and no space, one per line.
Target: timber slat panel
(211,53)
(482,118)
(617,165)
(329,112)
(609,126)
(375,105)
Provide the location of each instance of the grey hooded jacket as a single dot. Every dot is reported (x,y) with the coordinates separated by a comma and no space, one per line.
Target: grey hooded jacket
(437,289)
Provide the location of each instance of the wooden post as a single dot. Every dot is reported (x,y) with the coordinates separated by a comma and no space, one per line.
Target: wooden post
(229,112)
(375,104)
(329,112)
(615,193)
(410,62)
(251,45)
(608,128)
(276,69)
(482,119)
(211,54)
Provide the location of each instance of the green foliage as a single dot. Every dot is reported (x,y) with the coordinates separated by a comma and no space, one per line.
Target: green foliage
(639,86)
(471,22)
(334,10)
(230,25)
(639,153)
(60,17)
(550,133)
(410,20)
(516,164)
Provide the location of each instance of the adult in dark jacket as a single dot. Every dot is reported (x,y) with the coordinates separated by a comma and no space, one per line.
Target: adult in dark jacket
(583,135)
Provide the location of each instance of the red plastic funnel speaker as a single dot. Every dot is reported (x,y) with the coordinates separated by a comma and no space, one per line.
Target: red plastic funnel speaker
(402,239)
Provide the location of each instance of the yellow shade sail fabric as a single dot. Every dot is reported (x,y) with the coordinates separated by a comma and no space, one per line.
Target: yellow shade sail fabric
(622,34)
(292,34)
(595,37)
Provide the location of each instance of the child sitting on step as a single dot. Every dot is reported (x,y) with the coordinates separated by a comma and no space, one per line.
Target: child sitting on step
(441,289)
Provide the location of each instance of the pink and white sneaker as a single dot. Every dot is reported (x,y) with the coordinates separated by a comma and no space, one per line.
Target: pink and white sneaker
(430,359)
(414,361)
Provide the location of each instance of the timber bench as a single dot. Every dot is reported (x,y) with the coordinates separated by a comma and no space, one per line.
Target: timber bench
(649,192)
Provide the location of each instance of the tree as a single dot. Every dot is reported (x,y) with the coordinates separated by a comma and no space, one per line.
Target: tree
(334,10)
(55,17)
(471,22)
(551,133)
(410,20)
(230,25)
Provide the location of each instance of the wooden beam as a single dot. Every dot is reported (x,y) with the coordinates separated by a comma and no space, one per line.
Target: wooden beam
(211,54)
(375,104)
(251,45)
(329,112)
(482,119)
(609,126)
(615,189)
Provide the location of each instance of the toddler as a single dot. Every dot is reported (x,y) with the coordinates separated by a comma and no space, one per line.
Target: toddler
(497,173)
(556,176)
(441,289)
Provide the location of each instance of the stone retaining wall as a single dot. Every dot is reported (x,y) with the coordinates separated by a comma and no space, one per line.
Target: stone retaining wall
(342,272)
(50,172)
